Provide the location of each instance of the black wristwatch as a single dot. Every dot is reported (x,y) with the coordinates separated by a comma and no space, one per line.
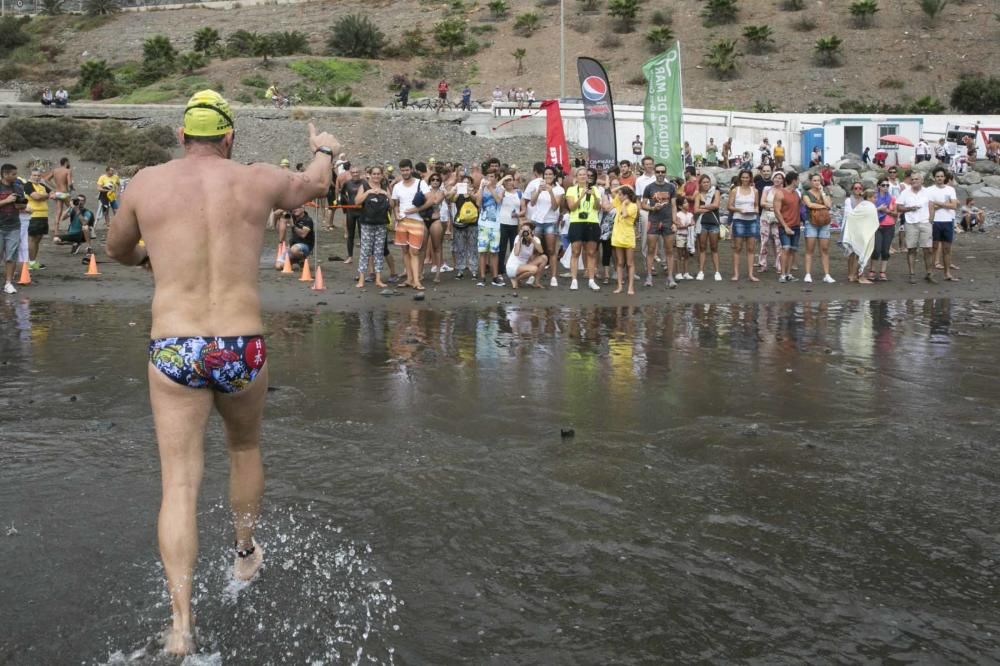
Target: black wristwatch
(325,150)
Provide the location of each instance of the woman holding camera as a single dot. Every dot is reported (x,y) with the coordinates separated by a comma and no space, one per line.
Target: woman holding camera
(527,260)
(583,203)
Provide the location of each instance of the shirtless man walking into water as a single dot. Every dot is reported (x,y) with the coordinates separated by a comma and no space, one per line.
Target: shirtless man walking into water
(202,219)
(62,178)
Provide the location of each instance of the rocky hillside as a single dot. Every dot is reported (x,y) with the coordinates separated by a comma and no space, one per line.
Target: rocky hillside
(904,55)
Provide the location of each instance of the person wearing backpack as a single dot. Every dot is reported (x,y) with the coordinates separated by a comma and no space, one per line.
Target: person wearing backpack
(373,222)
(466,228)
(409,198)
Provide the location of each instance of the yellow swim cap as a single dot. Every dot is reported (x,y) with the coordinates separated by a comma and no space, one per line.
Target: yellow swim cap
(285,162)
(207,114)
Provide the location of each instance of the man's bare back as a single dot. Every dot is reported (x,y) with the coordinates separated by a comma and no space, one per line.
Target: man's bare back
(62,178)
(202,220)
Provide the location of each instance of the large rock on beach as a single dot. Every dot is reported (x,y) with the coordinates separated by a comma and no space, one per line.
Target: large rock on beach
(991,181)
(969,178)
(986,192)
(926,167)
(985,166)
(838,193)
(850,165)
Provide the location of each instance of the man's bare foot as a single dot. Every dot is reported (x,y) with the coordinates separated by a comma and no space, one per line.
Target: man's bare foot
(735,278)
(360,284)
(754,278)
(380,284)
(348,260)
(245,568)
(864,280)
(178,641)
(617,291)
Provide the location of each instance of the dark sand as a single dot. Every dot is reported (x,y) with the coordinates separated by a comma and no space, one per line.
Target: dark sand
(976,254)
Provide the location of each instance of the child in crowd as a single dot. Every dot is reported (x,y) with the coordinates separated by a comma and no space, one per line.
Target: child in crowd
(683,237)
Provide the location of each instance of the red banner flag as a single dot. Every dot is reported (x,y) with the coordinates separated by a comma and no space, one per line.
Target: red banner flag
(556,151)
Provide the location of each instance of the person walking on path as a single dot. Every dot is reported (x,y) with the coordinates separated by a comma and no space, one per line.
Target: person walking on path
(205,249)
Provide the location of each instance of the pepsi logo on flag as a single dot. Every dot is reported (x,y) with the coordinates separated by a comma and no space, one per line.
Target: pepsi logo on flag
(594,88)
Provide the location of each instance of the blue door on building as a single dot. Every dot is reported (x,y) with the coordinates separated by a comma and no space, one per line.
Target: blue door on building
(810,139)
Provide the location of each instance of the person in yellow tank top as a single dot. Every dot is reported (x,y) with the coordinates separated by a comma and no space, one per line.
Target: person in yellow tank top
(38,194)
(779,155)
(108,185)
(623,235)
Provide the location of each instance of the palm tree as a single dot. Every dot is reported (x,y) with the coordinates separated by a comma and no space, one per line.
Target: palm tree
(191,61)
(827,49)
(52,7)
(101,7)
(758,38)
(933,8)
(719,12)
(450,33)
(625,11)
(518,55)
(206,40)
(527,23)
(863,12)
(158,47)
(721,58)
(589,5)
(659,38)
(93,72)
(499,8)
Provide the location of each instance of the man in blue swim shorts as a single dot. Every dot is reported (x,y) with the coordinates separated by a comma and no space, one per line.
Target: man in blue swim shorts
(202,220)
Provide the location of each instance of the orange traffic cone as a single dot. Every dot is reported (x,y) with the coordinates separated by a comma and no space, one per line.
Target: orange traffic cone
(287,267)
(318,283)
(25,274)
(92,268)
(306,273)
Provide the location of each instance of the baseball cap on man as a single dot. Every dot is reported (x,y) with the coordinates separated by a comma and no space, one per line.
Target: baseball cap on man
(207,114)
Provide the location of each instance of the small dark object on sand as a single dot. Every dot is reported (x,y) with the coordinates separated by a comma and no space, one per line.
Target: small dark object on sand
(567,432)
(419,296)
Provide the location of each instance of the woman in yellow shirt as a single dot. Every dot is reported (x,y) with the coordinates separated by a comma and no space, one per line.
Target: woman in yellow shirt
(623,235)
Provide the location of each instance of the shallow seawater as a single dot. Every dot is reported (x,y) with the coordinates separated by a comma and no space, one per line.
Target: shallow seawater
(754,483)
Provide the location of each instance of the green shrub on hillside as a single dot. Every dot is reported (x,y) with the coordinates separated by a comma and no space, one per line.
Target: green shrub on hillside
(659,38)
(625,12)
(827,50)
(527,23)
(242,44)
(758,38)
(207,40)
(12,34)
(159,59)
(101,7)
(52,7)
(721,58)
(450,34)
(976,94)
(863,12)
(115,143)
(719,12)
(290,43)
(255,81)
(94,73)
(499,9)
(355,36)
(190,61)
(330,72)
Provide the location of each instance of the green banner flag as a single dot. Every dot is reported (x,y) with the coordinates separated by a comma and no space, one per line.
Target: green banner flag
(663,111)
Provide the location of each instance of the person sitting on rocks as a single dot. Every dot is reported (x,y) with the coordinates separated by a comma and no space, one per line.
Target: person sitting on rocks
(972,216)
(62,98)
(47,99)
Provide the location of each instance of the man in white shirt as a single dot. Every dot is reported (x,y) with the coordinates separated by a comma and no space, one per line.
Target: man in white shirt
(410,228)
(943,201)
(923,151)
(914,202)
(644,179)
(527,210)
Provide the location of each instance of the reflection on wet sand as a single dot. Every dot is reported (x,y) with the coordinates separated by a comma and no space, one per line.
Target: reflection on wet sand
(753,482)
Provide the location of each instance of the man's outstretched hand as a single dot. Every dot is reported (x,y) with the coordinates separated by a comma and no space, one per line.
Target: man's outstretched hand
(322,139)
